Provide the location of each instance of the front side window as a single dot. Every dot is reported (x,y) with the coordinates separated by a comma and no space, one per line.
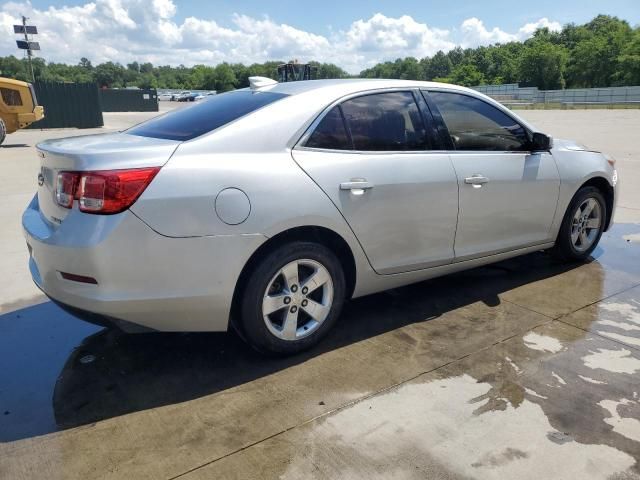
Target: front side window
(216,111)
(477,125)
(11,97)
(331,132)
(385,122)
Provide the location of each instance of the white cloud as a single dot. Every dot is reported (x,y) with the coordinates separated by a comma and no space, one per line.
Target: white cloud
(474,32)
(530,28)
(127,30)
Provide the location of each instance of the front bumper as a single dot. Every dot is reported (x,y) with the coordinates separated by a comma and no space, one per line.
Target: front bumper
(144,278)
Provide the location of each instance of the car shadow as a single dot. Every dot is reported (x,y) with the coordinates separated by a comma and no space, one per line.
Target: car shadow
(62,373)
(14,145)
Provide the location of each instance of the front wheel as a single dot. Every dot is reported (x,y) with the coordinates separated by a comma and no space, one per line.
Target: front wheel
(292,298)
(582,225)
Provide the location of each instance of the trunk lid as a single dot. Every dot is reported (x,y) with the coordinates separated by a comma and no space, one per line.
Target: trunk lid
(110,151)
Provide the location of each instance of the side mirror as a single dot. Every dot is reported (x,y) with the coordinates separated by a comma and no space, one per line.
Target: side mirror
(541,142)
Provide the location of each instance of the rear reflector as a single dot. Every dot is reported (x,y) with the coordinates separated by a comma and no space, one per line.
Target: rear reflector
(66,188)
(78,278)
(105,191)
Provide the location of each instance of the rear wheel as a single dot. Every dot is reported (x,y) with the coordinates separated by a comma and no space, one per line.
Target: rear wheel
(3,131)
(582,225)
(292,298)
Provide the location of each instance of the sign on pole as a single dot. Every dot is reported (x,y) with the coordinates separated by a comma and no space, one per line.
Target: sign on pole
(27,44)
(24,45)
(28,29)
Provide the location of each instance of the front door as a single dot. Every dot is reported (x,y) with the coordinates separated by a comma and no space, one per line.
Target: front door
(508,195)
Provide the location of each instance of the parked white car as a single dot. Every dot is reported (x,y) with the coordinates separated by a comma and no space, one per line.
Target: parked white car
(204,95)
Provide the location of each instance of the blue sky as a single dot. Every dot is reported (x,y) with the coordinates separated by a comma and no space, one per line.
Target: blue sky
(352,33)
(320,16)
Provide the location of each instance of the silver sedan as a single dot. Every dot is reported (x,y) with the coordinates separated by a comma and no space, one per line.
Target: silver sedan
(266,208)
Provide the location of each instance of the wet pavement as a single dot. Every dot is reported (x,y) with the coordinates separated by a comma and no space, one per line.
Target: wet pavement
(529,368)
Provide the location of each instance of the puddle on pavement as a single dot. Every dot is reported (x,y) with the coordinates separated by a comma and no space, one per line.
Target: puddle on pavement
(35,343)
(516,411)
(438,422)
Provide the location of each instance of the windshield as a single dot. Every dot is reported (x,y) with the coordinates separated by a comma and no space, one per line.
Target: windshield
(218,110)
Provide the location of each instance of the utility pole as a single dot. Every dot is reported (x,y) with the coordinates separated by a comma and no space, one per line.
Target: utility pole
(26,44)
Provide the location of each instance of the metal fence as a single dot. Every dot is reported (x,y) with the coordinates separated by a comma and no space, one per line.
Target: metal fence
(512,93)
(68,105)
(590,95)
(123,100)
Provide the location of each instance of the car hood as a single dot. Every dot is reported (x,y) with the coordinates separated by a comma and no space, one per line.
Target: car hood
(570,145)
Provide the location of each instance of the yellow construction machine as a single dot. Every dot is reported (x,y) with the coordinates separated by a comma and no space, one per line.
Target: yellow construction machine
(18,106)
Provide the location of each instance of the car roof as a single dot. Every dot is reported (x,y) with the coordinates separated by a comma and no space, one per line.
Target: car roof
(354,85)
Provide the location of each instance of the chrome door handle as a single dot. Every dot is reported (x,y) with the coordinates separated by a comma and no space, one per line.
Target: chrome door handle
(476,180)
(357,187)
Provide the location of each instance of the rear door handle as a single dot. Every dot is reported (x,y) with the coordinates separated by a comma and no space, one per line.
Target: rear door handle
(476,180)
(357,186)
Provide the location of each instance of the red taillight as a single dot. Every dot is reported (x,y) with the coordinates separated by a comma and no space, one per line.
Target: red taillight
(105,192)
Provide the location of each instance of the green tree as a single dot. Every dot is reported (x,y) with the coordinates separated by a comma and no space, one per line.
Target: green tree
(543,65)
(202,77)
(467,75)
(629,62)
(439,67)
(224,78)
(146,81)
(85,63)
(596,49)
(328,70)
(109,75)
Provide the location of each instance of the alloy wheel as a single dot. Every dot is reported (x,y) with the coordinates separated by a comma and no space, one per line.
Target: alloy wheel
(297,299)
(586,224)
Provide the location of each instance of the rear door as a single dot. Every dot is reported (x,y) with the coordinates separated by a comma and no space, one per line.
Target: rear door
(374,157)
(508,194)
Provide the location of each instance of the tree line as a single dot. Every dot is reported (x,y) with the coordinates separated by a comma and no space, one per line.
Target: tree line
(222,77)
(601,53)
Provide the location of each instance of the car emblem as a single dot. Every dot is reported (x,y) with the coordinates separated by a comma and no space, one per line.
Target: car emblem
(40,179)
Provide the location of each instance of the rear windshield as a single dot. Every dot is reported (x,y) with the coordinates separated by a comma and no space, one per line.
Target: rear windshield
(193,121)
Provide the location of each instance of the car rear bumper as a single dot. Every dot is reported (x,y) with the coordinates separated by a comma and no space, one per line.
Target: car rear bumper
(143,278)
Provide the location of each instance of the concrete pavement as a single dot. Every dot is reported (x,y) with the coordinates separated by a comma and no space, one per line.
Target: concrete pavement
(525,369)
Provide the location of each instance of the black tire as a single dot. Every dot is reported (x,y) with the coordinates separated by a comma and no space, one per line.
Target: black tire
(251,323)
(564,248)
(3,131)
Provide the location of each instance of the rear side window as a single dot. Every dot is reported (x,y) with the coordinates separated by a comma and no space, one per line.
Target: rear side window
(476,125)
(385,121)
(193,121)
(331,133)
(11,97)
